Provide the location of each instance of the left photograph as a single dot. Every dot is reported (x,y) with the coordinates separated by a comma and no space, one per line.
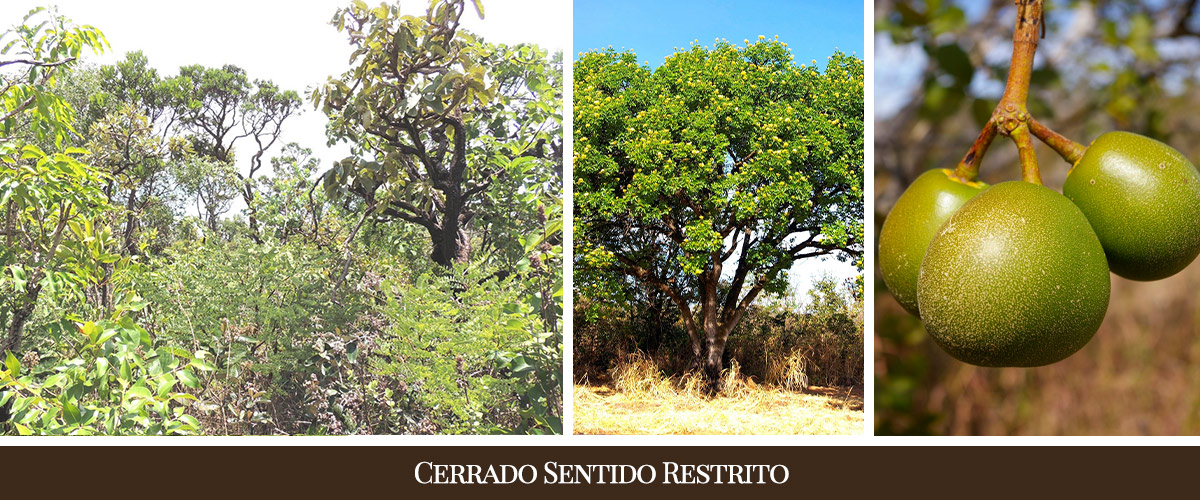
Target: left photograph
(324,218)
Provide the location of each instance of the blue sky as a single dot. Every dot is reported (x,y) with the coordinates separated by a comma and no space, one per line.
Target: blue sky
(654,28)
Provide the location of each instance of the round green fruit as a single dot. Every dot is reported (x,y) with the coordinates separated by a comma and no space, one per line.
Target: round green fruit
(1016,277)
(1142,197)
(908,229)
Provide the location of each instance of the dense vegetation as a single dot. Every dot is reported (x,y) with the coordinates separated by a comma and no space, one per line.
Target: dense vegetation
(414,287)
(792,344)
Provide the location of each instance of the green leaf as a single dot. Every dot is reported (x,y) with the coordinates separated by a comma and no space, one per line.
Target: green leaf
(520,365)
(191,421)
(71,414)
(189,379)
(139,391)
(165,385)
(131,335)
(12,364)
(54,380)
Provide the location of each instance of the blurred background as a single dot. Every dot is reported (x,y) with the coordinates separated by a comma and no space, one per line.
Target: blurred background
(1103,65)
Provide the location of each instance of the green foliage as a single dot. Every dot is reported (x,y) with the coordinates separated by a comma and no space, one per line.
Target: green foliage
(52,204)
(212,183)
(708,177)
(40,47)
(715,141)
(129,82)
(108,377)
(288,204)
(267,315)
(478,362)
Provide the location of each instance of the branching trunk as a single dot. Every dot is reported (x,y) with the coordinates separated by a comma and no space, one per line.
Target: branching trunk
(709,327)
(253,224)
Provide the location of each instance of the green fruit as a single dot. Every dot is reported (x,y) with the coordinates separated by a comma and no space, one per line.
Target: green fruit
(1016,277)
(1142,198)
(909,228)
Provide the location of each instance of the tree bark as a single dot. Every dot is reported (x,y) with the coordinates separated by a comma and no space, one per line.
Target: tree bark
(21,314)
(450,247)
(254,227)
(713,360)
(697,344)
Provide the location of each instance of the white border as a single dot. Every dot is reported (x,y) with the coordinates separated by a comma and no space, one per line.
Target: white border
(869,220)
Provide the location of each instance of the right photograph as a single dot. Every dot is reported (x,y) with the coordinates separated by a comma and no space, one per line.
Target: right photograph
(1037,215)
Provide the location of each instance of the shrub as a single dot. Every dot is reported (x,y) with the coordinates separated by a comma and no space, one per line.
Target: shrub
(107,377)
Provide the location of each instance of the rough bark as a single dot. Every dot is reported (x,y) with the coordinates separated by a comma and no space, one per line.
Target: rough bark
(451,245)
(20,316)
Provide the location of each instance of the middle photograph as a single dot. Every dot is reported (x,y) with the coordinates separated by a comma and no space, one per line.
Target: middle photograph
(718,218)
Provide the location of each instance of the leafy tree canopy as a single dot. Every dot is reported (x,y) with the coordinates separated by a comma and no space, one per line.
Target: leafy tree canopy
(436,117)
(732,157)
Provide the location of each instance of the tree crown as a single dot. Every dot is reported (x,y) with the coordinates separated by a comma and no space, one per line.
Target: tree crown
(734,152)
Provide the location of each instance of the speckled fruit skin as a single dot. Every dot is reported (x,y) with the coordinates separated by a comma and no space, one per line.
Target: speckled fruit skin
(911,225)
(1142,198)
(1016,277)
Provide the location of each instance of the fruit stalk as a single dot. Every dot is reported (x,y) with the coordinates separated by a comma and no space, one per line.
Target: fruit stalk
(1069,150)
(968,168)
(1020,72)
(1029,163)
(1011,116)
(1011,112)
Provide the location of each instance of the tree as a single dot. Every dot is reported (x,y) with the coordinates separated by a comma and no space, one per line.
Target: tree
(212,183)
(436,117)
(132,82)
(708,177)
(288,204)
(221,106)
(124,145)
(48,201)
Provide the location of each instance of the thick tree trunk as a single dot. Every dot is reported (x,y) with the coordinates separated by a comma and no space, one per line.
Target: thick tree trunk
(697,344)
(450,248)
(16,329)
(715,336)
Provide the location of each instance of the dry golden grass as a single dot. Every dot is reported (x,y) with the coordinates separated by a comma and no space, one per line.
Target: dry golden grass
(640,400)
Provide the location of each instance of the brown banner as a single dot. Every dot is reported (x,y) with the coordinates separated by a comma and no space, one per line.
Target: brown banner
(564,472)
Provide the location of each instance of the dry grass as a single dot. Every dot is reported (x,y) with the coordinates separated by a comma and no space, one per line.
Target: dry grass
(640,400)
(791,372)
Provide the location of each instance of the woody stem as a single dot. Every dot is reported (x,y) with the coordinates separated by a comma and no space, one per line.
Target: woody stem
(1029,163)
(1069,150)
